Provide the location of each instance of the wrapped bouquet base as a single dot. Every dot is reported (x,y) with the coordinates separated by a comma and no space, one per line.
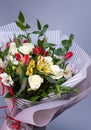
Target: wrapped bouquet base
(39,116)
(36,117)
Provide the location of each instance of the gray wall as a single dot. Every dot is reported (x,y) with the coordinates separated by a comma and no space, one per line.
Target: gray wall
(71,16)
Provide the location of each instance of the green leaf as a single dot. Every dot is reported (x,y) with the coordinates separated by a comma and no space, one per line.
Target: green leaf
(24,36)
(44,94)
(6,51)
(27,26)
(65,43)
(36,32)
(45,27)
(61,80)
(21,17)
(59,52)
(29,89)
(23,85)
(21,26)
(76,90)
(51,80)
(34,99)
(71,37)
(8,95)
(38,24)
(51,44)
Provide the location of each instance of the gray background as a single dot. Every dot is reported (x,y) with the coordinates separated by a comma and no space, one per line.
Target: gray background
(69,16)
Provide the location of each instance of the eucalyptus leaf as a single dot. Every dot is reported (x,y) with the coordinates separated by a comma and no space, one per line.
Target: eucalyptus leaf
(59,52)
(27,26)
(71,37)
(45,27)
(21,26)
(36,32)
(65,43)
(38,24)
(21,17)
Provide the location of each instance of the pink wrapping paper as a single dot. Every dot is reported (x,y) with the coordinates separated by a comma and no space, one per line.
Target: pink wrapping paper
(40,115)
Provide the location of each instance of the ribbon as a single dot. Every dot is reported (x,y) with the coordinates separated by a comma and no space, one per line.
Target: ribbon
(15,125)
(2,94)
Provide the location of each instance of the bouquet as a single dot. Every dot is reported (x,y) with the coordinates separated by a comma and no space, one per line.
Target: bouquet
(35,71)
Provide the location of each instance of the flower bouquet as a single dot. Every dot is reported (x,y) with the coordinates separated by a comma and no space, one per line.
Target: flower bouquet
(35,73)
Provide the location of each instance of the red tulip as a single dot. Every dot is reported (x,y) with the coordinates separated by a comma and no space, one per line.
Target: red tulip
(26,59)
(68,55)
(38,50)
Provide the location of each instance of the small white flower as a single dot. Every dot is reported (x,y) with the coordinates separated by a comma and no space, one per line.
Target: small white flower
(26,48)
(35,81)
(6,79)
(48,60)
(1,63)
(13,60)
(68,71)
(13,48)
(56,71)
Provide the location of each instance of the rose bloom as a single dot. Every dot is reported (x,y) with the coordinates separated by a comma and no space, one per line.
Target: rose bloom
(38,50)
(13,49)
(26,48)
(56,71)
(35,81)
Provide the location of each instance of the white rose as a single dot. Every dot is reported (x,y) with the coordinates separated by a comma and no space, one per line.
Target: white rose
(48,60)
(6,79)
(35,81)
(56,71)
(13,48)
(26,48)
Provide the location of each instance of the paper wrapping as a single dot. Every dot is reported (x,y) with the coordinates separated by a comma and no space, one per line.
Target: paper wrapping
(40,115)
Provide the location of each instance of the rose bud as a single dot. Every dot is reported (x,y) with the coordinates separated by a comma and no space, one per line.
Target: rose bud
(38,50)
(68,55)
